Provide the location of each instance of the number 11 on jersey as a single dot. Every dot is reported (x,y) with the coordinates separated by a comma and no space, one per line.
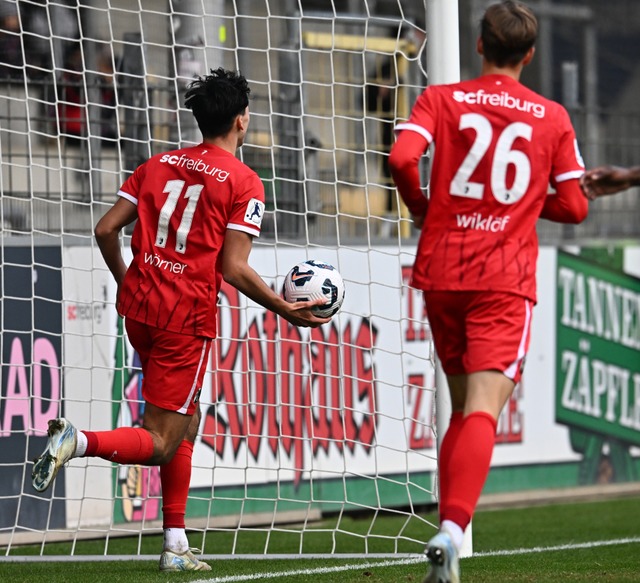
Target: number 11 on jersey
(174,188)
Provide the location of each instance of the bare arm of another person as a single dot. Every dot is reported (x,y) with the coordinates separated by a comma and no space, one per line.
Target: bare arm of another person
(237,271)
(605,180)
(107,233)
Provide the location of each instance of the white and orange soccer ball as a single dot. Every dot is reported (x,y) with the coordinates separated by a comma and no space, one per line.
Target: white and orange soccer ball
(311,280)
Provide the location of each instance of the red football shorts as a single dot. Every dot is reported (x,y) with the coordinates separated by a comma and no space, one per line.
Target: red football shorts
(173,366)
(477,331)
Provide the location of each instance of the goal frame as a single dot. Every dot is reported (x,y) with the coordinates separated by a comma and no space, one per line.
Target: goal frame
(443,66)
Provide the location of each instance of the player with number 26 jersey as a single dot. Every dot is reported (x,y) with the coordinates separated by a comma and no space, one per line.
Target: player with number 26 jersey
(186,199)
(502,157)
(497,148)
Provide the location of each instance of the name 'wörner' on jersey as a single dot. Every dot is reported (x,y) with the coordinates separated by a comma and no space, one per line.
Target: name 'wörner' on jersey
(187,199)
(488,182)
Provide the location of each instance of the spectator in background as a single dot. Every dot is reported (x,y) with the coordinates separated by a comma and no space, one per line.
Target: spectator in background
(11,55)
(380,102)
(72,100)
(25,38)
(609,180)
(37,19)
(106,82)
(72,109)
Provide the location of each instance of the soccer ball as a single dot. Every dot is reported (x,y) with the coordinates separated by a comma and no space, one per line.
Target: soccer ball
(311,280)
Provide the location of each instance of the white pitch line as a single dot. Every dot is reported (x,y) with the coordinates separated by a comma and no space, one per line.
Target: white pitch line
(567,547)
(318,571)
(414,560)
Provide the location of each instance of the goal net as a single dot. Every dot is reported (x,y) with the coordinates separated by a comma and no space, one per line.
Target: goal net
(310,440)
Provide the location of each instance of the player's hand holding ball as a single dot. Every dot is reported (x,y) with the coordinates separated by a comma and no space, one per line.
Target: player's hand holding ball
(315,280)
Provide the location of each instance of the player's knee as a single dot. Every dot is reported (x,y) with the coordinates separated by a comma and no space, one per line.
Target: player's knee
(164,451)
(162,457)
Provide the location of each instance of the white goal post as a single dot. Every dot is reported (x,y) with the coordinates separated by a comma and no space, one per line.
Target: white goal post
(301,430)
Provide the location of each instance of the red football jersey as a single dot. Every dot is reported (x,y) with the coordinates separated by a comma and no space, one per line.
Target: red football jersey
(187,199)
(497,148)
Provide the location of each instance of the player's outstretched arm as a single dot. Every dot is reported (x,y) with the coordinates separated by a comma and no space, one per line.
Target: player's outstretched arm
(609,180)
(237,272)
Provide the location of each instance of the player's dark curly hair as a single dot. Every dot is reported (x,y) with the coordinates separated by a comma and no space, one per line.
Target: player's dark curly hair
(216,99)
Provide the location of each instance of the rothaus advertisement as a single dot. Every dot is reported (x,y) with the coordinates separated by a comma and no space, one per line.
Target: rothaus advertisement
(294,414)
(343,414)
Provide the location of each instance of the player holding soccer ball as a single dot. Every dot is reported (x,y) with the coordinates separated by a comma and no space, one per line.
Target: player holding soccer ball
(498,146)
(197,210)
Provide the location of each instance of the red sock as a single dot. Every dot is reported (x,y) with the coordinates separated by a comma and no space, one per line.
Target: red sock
(175,478)
(446,447)
(468,467)
(124,445)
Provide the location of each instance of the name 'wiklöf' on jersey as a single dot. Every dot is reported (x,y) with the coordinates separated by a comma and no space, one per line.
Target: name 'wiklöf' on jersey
(477,222)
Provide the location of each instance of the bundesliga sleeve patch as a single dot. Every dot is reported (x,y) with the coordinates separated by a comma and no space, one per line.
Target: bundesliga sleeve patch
(254,212)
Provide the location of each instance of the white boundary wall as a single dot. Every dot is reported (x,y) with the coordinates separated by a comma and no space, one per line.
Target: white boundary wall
(375,294)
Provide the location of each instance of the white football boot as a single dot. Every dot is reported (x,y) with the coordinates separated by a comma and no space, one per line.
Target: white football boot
(187,561)
(61,447)
(443,559)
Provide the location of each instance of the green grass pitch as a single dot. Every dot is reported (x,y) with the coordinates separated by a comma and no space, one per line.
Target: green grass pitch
(569,542)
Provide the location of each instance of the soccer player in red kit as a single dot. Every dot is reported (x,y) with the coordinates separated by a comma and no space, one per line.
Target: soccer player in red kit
(197,211)
(497,148)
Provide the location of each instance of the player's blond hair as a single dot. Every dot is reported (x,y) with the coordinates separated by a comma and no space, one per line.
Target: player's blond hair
(508,30)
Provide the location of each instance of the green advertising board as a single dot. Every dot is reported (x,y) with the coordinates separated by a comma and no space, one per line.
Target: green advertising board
(598,350)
